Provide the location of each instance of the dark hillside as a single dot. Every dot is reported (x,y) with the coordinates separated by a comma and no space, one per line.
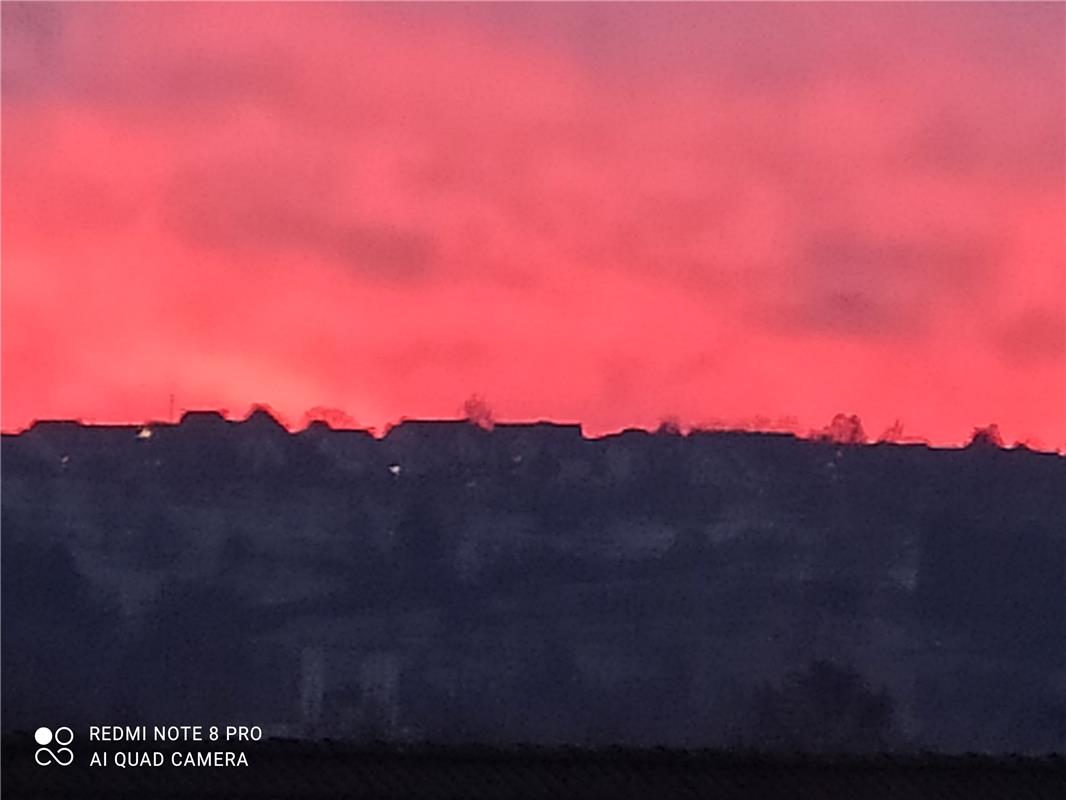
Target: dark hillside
(524,584)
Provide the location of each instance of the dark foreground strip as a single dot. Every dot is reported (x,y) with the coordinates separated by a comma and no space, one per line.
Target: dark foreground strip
(283,769)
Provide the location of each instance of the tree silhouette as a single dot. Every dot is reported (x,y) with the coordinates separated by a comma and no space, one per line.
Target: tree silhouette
(845,429)
(478,412)
(987,437)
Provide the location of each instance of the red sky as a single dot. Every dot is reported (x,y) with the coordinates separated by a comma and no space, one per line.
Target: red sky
(754,214)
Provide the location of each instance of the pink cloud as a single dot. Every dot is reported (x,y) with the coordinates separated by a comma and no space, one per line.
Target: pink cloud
(606,214)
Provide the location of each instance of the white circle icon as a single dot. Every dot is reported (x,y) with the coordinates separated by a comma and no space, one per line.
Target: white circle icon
(62,755)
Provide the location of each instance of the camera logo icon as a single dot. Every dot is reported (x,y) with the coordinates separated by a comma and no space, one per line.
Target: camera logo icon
(61,754)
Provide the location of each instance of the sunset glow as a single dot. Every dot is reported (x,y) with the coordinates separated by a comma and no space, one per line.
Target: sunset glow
(727,214)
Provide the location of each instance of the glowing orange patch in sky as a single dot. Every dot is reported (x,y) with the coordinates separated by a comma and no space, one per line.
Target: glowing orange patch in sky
(753,215)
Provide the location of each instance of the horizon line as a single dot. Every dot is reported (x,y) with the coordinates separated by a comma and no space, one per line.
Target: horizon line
(987,435)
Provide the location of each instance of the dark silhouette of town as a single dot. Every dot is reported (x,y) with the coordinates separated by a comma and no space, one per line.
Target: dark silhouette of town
(459,582)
